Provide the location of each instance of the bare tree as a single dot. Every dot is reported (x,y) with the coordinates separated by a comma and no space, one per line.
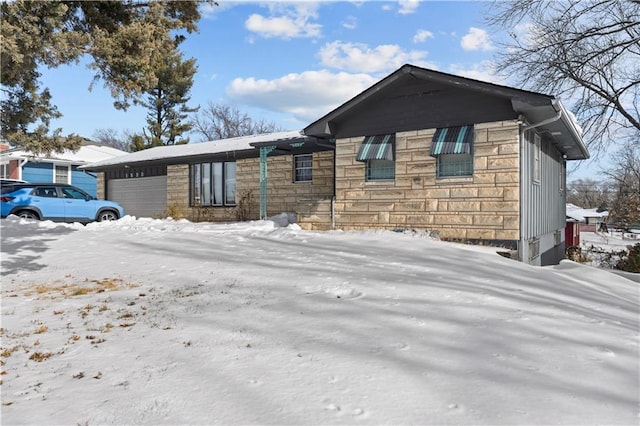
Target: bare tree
(111,137)
(215,122)
(587,193)
(624,178)
(585,51)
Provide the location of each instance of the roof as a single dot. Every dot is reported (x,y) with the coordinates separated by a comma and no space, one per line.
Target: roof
(89,152)
(231,145)
(580,214)
(425,94)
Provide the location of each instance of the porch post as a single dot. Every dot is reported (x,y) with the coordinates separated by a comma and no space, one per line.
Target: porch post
(264,151)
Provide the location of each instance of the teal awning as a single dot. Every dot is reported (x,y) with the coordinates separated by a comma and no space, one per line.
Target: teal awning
(378,147)
(452,140)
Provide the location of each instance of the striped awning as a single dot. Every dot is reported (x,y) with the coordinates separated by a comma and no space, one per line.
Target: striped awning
(452,140)
(378,147)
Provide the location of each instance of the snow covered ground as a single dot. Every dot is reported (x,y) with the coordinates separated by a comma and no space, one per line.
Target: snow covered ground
(170,322)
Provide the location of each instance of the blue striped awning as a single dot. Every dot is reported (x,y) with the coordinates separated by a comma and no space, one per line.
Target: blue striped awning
(378,147)
(452,140)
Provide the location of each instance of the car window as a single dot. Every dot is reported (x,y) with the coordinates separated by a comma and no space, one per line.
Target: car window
(73,193)
(46,192)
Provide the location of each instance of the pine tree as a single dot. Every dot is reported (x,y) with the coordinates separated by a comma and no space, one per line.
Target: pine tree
(167,103)
(122,37)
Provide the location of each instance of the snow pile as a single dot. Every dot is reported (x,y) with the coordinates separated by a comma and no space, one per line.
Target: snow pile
(145,321)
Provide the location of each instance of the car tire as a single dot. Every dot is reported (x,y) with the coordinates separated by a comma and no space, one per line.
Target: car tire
(27,214)
(107,215)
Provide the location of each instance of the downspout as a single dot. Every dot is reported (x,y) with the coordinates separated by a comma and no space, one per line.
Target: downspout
(548,120)
(333,196)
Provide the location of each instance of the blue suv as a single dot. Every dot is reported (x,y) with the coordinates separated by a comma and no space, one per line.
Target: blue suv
(56,202)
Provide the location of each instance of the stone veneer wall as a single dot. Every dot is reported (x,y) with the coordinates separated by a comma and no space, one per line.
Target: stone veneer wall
(283,195)
(100,194)
(485,206)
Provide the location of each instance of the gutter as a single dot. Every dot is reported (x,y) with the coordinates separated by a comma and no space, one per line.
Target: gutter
(558,107)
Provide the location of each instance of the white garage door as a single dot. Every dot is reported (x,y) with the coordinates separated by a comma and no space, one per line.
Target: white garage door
(140,197)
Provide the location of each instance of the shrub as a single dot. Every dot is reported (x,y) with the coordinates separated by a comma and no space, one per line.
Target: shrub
(631,261)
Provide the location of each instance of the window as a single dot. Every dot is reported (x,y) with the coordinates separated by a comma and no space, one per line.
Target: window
(451,165)
(4,171)
(49,192)
(536,158)
(61,174)
(378,154)
(303,168)
(74,193)
(452,148)
(381,170)
(213,184)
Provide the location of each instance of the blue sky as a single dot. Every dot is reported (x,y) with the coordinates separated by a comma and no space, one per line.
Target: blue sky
(291,63)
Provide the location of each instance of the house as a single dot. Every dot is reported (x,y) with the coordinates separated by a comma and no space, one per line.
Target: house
(420,149)
(220,180)
(57,167)
(591,220)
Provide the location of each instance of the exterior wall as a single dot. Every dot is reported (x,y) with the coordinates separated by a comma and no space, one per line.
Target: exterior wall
(100,187)
(543,203)
(84,181)
(37,172)
(43,172)
(484,206)
(283,195)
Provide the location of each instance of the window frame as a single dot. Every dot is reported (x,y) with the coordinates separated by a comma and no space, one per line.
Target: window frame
(537,151)
(67,173)
(219,177)
(298,169)
(370,170)
(443,162)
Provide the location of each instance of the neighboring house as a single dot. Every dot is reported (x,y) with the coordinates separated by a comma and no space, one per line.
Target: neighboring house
(590,220)
(469,160)
(57,167)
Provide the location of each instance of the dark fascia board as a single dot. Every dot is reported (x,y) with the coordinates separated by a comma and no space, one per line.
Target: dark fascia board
(304,144)
(323,126)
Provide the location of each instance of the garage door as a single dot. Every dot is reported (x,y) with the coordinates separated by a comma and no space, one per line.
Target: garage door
(140,197)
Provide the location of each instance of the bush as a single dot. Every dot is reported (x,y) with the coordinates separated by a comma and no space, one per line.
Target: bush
(631,261)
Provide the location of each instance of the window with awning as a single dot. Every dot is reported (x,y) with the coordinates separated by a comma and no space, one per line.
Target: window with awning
(453,149)
(378,152)
(452,140)
(379,147)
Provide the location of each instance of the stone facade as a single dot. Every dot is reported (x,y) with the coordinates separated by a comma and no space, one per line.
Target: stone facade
(484,206)
(283,194)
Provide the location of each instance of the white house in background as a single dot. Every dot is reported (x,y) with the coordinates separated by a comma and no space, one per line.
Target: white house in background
(16,163)
(590,219)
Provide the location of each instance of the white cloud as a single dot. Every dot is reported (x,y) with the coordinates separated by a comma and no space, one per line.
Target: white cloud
(408,6)
(306,95)
(483,71)
(350,23)
(422,35)
(526,34)
(287,21)
(476,39)
(358,57)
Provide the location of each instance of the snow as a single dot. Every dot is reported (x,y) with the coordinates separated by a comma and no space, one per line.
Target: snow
(579,214)
(145,321)
(241,143)
(87,153)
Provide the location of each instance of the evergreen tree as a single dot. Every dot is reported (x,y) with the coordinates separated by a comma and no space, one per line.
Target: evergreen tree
(122,37)
(167,103)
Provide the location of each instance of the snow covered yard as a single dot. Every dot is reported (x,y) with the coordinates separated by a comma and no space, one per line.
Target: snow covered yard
(170,322)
